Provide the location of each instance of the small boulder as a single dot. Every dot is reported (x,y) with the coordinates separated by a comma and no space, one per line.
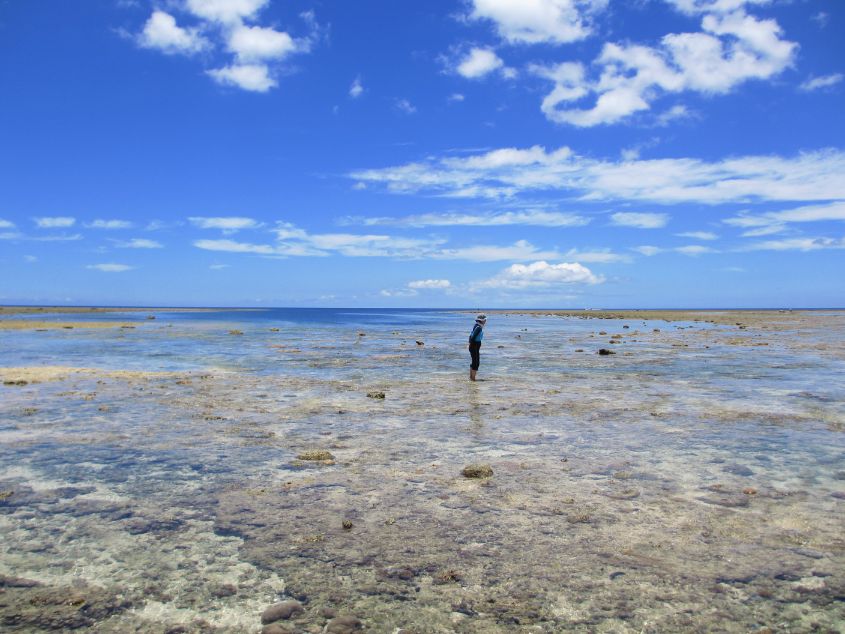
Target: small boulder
(317,456)
(604,351)
(236,332)
(477,471)
(420,343)
(283,610)
(344,625)
(379,395)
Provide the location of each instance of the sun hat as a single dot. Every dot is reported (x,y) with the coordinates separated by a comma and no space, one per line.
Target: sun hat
(482,318)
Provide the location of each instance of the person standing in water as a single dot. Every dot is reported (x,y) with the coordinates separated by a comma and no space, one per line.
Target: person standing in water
(475,338)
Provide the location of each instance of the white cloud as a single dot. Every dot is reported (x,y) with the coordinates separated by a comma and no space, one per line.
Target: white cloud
(252,77)
(478,63)
(510,171)
(405,106)
(648,250)
(230,246)
(763,231)
(229,224)
(11,235)
(520,250)
(403,292)
(604,256)
(218,267)
(456,97)
(54,222)
(775,221)
(430,284)
(538,218)
(732,48)
(140,243)
(542,274)
(59,237)
(30,258)
(699,235)
(826,81)
(110,268)
(797,244)
(5,224)
(356,89)
(161,32)
(225,11)
(640,220)
(256,43)
(693,249)
(694,7)
(110,224)
(535,21)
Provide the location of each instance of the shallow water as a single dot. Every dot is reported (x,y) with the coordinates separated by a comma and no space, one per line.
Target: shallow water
(693,481)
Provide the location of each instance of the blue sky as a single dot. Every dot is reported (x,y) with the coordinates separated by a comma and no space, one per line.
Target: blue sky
(481,153)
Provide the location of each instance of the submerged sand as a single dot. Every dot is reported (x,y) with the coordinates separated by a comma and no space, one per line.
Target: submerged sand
(692,481)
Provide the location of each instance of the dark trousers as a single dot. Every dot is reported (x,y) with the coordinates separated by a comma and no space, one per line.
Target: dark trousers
(475,354)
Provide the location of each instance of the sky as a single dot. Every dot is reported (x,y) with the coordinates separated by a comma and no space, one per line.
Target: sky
(472,153)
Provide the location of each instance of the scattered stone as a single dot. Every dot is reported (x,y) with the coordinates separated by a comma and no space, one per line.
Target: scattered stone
(276,628)
(344,625)
(347,525)
(6,494)
(375,395)
(579,518)
(224,590)
(477,471)
(328,613)
(626,326)
(749,491)
(604,352)
(236,332)
(602,332)
(362,334)
(283,610)
(274,330)
(420,343)
(29,411)
(317,456)
(616,336)
(579,349)
(151,316)
(18,382)
(656,330)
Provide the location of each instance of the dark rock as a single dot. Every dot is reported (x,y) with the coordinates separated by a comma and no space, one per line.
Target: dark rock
(20,382)
(604,351)
(344,625)
(477,471)
(283,610)
(328,613)
(420,343)
(379,395)
(347,525)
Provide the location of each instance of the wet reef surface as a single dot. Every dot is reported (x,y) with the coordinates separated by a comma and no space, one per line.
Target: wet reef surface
(178,478)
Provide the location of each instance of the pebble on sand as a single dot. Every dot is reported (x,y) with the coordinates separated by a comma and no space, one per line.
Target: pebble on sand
(282,610)
(477,471)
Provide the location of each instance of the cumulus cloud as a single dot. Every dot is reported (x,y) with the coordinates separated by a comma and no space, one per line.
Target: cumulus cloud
(161,32)
(256,50)
(252,77)
(542,274)
(478,63)
(825,81)
(5,224)
(509,172)
(110,224)
(430,284)
(648,250)
(731,48)
(356,89)
(228,224)
(225,11)
(54,222)
(536,21)
(640,220)
(256,43)
(110,267)
(691,250)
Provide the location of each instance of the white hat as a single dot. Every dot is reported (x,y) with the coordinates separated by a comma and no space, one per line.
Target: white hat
(481,318)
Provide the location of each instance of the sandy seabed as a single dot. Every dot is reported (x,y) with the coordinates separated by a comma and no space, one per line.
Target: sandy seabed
(693,481)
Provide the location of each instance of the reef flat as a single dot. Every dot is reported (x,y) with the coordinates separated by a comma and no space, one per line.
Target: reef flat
(204,475)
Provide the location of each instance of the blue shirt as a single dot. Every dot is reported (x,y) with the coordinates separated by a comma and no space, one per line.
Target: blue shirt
(477,334)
